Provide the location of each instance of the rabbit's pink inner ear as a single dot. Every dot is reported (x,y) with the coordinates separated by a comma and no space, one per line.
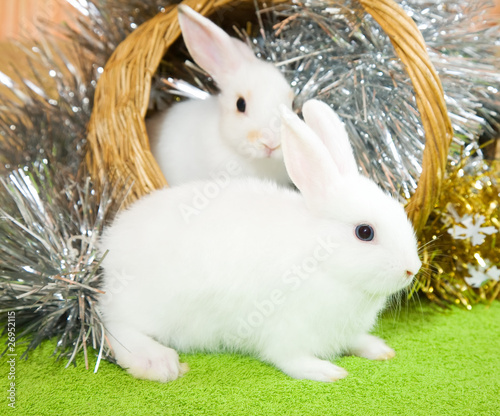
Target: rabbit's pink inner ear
(330,129)
(307,160)
(210,47)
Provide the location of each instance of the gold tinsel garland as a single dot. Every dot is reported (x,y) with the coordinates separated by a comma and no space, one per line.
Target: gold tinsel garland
(460,252)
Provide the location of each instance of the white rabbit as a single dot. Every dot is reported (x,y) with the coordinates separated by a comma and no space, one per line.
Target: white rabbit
(245,265)
(194,139)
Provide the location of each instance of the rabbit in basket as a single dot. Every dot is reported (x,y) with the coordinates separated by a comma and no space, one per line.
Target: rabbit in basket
(195,139)
(292,278)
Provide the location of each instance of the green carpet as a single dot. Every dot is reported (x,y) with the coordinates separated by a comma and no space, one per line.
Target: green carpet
(447,363)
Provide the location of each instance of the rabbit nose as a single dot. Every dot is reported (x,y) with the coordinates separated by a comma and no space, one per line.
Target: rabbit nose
(414,270)
(270,149)
(413,267)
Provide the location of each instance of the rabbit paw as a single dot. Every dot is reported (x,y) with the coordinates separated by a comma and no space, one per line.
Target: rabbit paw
(373,348)
(156,363)
(311,368)
(143,357)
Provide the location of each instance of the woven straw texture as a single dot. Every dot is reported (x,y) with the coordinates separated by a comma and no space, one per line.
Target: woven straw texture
(118,145)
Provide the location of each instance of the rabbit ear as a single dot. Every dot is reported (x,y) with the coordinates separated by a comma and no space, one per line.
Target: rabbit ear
(327,125)
(210,47)
(307,160)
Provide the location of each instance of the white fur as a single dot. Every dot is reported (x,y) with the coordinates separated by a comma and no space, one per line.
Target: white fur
(196,138)
(256,268)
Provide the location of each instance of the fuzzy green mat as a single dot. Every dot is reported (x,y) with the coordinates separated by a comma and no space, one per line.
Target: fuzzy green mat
(447,363)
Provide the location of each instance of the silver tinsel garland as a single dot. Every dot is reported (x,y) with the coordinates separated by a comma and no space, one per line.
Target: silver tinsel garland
(49,263)
(50,220)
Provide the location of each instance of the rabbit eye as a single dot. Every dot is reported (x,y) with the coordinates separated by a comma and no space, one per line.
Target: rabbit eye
(365,232)
(241,105)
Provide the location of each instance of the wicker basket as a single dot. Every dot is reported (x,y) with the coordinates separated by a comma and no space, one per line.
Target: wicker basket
(117,138)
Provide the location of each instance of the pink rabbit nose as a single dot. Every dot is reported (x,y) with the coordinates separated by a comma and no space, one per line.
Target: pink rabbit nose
(409,274)
(269,149)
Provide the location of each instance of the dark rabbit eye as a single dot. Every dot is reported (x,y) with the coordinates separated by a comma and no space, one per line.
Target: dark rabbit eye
(365,232)
(241,105)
